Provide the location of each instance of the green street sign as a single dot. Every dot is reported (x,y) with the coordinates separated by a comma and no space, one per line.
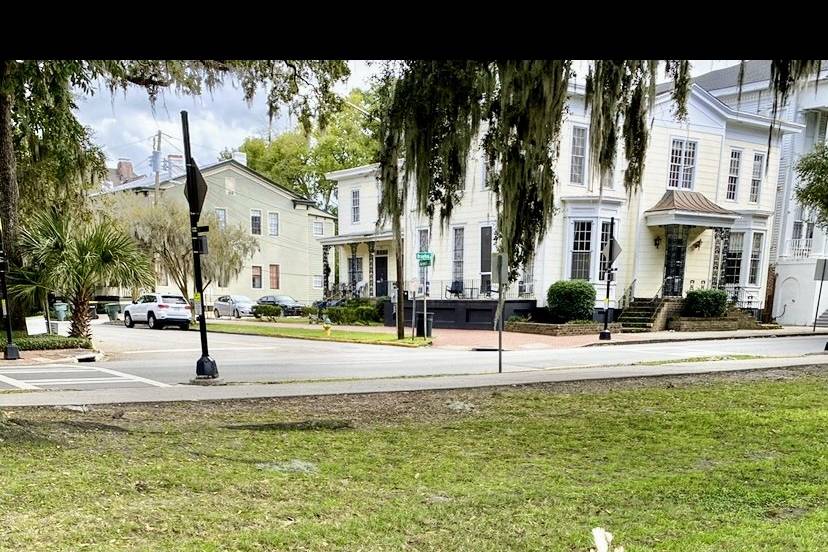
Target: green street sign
(424,255)
(425,262)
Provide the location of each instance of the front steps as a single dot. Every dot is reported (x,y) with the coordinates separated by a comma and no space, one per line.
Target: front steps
(638,317)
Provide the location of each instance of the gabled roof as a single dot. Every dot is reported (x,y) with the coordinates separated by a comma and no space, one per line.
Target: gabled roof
(685,200)
(756,71)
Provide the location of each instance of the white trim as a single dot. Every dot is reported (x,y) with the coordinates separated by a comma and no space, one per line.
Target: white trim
(321,226)
(353,172)
(696,156)
(689,218)
(250,223)
(584,169)
(278,224)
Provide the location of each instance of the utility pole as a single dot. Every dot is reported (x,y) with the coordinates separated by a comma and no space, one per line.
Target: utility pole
(156,164)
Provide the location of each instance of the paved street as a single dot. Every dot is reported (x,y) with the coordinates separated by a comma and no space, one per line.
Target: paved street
(144,358)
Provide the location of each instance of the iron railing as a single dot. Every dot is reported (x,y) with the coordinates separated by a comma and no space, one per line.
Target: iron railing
(629,295)
(477,289)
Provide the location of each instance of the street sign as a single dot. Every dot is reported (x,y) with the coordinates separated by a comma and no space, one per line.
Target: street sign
(425,262)
(821,270)
(425,255)
(501,275)
(201,190)
(616,251)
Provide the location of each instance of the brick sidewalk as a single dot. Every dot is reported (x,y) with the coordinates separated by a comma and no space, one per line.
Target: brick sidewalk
(46,357)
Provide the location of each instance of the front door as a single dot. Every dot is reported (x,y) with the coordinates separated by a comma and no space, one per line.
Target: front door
(674,259)
(381,275)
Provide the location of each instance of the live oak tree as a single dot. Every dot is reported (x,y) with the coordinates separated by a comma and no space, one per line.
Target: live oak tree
(37,102)
(433,113)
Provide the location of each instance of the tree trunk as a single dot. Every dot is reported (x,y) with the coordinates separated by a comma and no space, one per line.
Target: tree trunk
(46,315)
(398,244)
(80,319)
(9,192)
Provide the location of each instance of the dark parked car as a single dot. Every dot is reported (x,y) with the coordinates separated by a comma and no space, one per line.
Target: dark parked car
(290,306)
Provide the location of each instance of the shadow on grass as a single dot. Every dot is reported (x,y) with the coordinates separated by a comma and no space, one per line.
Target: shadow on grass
(305,425)
(33,426)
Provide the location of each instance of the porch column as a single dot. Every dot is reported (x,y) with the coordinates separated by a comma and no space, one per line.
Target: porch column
(351,267)
(721,243)
(371,249)
(326,269)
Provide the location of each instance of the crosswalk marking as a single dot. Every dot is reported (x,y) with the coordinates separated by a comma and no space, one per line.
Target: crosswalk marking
(96,375)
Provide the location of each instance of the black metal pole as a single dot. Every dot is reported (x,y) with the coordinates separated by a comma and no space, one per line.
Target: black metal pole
(11,352)
(206,367)
(819,297)
(605,333)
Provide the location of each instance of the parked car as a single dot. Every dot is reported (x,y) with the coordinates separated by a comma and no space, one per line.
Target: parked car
(233,305)
(158,310)
(290,306)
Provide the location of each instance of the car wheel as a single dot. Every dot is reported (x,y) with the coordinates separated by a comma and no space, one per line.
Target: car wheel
(236,313)
(128,321)
(185,327)
(152,322)
(216,313)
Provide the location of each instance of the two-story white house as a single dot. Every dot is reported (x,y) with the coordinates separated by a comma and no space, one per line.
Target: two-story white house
(287,227)
(796,243)
(702,217)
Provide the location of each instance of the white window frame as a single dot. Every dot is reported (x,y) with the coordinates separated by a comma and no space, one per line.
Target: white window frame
(731,175)
(745,236)
(259,211)
(222,221)
(317,281)
(682,167)
(321,228)
(269,225)
(759,259)
(355,206)
(572,251)
(760,157)
(253,275)
(584,168)
(462,259)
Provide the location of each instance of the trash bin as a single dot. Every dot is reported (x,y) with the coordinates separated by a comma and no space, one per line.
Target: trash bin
(429,323)
(60,311)
(112,309)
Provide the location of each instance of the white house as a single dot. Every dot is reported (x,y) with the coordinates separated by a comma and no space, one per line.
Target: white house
(796,242)
(288,229)
(701,218)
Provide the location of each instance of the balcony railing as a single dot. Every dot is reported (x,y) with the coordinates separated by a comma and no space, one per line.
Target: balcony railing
(799,248)
(477,289)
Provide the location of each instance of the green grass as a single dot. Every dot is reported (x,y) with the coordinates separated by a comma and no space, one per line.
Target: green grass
(317,334)
(726,464)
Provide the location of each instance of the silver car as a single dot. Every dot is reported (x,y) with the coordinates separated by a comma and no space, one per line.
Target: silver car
(233,305)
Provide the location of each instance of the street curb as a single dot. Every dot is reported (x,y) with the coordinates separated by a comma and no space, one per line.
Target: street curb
(722,338)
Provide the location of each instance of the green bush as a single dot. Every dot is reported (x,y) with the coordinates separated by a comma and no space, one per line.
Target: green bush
(705,303)
(517,318)
(363,314)
(570,300)
(269,312)
(46,341)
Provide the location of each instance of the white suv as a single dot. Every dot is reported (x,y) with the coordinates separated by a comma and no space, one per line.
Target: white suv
(158,310)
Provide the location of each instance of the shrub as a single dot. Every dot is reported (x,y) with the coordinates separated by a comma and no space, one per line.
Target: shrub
(46,341)
(517,318)
(571,300)
(363,314)
(705,303)
(269,312)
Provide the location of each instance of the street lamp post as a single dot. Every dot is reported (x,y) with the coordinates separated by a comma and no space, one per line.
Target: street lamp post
(11,352)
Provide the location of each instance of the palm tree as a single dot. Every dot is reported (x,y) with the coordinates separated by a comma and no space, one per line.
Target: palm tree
(78,258)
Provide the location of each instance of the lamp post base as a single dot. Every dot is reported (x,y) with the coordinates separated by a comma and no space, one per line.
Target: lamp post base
(605,335)
(206,368)
(11,352)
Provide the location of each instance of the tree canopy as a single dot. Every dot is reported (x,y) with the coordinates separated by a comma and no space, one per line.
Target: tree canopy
(812,192)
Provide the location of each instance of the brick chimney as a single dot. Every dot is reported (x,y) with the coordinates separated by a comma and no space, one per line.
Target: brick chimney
(124,170)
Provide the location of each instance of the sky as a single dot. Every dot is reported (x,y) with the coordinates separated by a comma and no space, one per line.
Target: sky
(124,124)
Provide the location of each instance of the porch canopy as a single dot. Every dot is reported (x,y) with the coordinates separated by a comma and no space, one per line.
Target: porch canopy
(686,208)
(360,237)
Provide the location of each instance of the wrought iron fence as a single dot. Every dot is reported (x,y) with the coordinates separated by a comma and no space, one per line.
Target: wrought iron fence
(476,289)
(799,248)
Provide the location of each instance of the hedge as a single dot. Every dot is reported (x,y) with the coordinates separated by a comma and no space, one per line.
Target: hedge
(569,300)
(270,312)
(363,314)
(705,303)
(45,341)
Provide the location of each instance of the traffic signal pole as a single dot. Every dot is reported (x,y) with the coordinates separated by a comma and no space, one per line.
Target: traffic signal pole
(206,367)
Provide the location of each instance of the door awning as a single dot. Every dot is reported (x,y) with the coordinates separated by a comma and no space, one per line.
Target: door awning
(688,208)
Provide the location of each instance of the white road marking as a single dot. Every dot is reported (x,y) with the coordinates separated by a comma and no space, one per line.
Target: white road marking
(132,377)
(71,381)
(45,370)
(17,383)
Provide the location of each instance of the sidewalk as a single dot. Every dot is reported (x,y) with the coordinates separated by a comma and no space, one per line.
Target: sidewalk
(49,357)
(231,392)
(475,339)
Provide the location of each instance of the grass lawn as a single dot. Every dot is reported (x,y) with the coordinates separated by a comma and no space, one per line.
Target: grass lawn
(377,338)
(726,462)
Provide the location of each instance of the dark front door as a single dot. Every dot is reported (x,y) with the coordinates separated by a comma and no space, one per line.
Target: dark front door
(381,274)
(674,259)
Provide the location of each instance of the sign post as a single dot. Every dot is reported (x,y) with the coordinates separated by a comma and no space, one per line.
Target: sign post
(195,191)
(425,259)
(610,253)
(819,274)
(11,351)
(500,265)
